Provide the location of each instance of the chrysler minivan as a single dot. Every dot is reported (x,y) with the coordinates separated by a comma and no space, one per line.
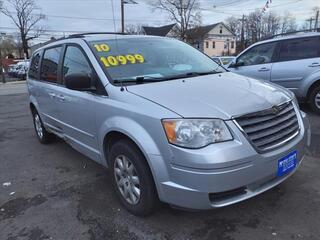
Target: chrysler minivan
(171,124)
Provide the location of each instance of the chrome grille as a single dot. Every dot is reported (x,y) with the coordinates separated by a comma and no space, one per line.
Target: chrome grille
(271,128)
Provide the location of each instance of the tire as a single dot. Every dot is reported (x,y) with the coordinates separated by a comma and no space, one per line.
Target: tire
(43,135)
(135,174)
(314,99)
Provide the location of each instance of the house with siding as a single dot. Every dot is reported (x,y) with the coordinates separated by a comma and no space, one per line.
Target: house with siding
(214,40)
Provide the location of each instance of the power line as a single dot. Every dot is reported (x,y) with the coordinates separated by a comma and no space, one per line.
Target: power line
(230,11)
(92,18)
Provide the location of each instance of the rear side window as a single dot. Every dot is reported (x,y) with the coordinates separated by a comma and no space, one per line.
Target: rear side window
(257,55)
(50,61)
(299,49)
(75,62)
(34,66)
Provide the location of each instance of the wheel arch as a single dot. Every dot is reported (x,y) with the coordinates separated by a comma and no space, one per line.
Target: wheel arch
(33,105)
(116,135)
(315,84)
(111,138)
(118,127)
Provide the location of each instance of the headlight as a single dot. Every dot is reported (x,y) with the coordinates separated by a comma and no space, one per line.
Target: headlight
(196,133)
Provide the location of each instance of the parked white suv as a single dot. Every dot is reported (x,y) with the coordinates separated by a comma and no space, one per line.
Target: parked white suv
(292,62)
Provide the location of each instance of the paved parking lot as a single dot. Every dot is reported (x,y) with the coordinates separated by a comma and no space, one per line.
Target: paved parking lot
(53,192)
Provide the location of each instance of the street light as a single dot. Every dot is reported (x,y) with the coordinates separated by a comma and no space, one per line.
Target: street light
(123,2)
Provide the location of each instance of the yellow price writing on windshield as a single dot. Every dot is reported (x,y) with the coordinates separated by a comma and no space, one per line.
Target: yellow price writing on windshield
(102,47)
(113,61)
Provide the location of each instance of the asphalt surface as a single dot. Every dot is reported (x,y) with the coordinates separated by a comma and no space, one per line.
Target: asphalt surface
(54,192)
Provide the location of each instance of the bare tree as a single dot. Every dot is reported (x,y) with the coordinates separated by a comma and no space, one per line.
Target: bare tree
(288,23)
(26,18)
(254,27)
(234,24)
(186,13)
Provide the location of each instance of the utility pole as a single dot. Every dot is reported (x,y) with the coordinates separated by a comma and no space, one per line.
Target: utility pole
(3,78)
(317,21)
(310,20)
(242,33)
(123,2)
(122,16)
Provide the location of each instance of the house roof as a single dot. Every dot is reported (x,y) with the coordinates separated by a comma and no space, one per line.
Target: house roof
(158,31)
(200,32)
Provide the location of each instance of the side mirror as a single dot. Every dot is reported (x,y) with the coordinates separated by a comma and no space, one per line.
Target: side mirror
(240,63)
(78,81)
(232,64)
(236,63)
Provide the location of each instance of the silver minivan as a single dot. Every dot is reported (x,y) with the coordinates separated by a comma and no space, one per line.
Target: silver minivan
(292,62)
(171,124)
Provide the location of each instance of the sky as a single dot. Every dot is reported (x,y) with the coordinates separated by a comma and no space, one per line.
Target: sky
(67,16)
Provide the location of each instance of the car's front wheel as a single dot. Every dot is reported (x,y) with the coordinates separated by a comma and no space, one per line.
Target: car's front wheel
(43,135)
(132,179)
(315,99)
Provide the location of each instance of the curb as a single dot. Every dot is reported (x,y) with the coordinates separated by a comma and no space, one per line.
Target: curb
(12,83)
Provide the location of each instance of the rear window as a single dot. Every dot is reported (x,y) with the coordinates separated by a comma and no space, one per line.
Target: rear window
(34,66)
(299,49)
(49,68)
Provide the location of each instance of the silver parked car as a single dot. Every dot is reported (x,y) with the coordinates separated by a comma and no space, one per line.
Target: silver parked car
(171,123)
(292,62)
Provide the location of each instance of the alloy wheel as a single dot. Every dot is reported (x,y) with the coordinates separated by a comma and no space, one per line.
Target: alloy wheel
(317,100)
(127,179)
(38,126)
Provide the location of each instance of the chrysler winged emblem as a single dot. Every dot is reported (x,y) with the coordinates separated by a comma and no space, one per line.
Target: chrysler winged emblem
(275,109)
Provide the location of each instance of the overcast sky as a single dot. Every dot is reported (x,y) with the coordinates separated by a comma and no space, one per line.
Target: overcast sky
(97,15)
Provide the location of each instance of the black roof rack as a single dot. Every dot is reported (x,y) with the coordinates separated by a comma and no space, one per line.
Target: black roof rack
(314,30)
(80,35)
(93,33)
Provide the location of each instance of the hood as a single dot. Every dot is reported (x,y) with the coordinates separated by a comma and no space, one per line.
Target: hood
(212,96)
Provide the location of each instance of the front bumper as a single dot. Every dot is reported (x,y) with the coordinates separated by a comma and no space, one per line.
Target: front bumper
(225,173)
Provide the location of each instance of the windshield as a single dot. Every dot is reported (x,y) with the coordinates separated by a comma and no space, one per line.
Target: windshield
(153,59)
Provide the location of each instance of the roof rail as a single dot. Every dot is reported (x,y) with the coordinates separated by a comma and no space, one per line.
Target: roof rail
(314,30)
(93,33)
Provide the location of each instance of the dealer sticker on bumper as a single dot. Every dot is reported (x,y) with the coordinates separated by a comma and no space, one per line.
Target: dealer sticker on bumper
(287,164)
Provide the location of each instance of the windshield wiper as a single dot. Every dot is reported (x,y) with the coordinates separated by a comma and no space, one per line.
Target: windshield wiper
(148,79)
(203,73)
(140,79)
(193,74)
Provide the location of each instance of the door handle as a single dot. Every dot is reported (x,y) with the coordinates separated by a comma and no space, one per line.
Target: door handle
(264,69)
(61,98)
(315,64)
(52,95)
